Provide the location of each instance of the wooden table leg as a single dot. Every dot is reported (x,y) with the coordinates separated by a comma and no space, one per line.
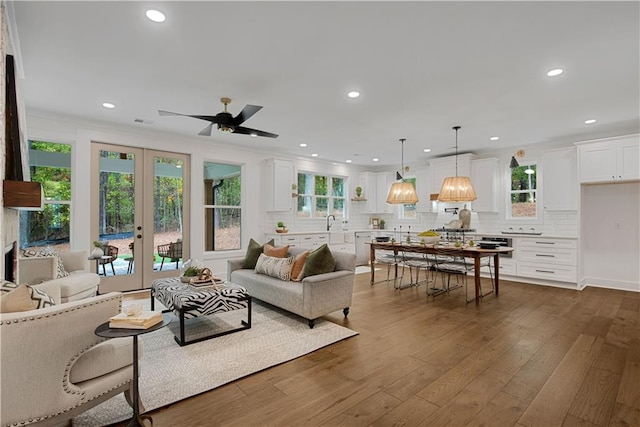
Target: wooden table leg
(496,265)
(476,265)
(372,256)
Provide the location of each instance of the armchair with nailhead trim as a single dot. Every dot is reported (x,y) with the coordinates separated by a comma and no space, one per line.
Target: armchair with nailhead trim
(54,367)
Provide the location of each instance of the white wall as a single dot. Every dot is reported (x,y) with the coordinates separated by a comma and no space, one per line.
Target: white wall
(610,234)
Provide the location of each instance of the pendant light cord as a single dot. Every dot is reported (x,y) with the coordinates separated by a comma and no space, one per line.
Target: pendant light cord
(402,140)
(456,129)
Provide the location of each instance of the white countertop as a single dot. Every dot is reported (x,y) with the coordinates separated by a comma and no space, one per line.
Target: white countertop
(476,233)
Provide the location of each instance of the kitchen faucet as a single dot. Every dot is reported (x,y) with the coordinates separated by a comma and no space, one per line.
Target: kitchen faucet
(328,224)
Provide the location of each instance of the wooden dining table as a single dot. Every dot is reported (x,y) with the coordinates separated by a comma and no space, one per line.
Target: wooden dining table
(466,251)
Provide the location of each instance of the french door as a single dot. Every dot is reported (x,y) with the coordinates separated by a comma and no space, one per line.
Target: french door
(139,215)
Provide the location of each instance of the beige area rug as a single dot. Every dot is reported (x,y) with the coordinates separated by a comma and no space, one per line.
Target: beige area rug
(361,269)
(170,373)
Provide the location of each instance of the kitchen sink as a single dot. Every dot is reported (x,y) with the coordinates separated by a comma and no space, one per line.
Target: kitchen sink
(336,237)
(527,233)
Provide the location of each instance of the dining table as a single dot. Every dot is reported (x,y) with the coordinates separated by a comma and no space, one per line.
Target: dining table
(463,250)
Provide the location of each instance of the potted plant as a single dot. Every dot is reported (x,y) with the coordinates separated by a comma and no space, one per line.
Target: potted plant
(358,191)
(294,190)
(190,273)
(281,227)
(382,222)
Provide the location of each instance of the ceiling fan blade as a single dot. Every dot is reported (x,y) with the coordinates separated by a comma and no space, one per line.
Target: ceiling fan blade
(206,131)
(212,119)
(248,131)
(247,111)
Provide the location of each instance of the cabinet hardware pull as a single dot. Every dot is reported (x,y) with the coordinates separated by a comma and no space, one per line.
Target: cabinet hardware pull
(546,255)
(545,271)
(545,243)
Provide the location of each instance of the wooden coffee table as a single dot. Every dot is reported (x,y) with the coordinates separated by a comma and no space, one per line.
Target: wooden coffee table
(188,302)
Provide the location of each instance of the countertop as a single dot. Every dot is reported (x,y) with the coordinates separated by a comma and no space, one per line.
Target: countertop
(476,233)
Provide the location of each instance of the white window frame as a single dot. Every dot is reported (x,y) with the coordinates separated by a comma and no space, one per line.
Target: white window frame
(538,193)
(227,252)
(330,197)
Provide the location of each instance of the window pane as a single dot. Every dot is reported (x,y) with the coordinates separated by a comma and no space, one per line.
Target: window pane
(337,185)
(321,186)
(222,191)
(48,227)
(304,206)
(304,183)
(523,197)
(338,207)
(225,223)
(322,206)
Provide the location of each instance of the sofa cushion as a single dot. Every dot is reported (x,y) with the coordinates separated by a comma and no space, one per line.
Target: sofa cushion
(298,266)
(253,252)
(319,261)
(38,297)
(108,356)
(15,300)
(280,252)
(47,251)
(280,268)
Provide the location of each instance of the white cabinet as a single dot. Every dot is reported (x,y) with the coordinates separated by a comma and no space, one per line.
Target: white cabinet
(423,188)
(549,259)
(485,181)
(375,187)
(278,180)
(609,160)
(308,241)
(560,179)
(446,166)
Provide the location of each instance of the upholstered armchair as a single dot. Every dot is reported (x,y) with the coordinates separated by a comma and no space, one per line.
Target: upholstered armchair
(54,367)
(173,251)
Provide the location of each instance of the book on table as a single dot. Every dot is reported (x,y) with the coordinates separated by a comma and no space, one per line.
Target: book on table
(144,320)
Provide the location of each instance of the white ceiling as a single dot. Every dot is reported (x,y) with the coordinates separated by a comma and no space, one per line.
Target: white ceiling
(422,67)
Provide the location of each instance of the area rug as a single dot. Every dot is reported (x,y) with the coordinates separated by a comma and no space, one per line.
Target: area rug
(170,373)
(361,269)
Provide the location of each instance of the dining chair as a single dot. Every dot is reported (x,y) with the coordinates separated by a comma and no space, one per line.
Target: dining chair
(418,261)
(172,250)
(389,258)
(112,253)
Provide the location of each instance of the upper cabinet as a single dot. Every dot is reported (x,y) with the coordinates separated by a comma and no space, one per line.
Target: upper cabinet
(446,166)
(609,160)
(278,180)
(375,187)
(485,181)
(560,179)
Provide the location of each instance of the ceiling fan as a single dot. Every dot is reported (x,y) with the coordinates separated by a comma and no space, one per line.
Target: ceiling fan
(226,122)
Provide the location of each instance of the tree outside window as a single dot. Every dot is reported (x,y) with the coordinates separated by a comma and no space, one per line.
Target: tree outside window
(223,210)
(320,195)
(523,195)
(408,211)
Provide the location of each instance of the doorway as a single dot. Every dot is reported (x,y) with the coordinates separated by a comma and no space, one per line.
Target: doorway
(139,215)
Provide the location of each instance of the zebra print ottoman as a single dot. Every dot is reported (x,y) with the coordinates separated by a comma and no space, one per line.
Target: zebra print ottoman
(188,302)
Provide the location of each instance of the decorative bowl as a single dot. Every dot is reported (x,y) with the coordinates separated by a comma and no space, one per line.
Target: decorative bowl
(279,230)
(186,279)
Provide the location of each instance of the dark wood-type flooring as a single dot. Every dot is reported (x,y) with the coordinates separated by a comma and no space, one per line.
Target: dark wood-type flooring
(534,356)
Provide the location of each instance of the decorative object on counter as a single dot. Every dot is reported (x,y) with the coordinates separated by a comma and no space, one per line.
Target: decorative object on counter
(457,188)
(294,190)
(97,252)
(402,192)
(454,224)
(429,237)
(281,228)
(514,163)
(375,222)
(465,217)
(382,223)
(358,191)
(189,273)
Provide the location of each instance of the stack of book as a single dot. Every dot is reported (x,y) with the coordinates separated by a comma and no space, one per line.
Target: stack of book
(144,320)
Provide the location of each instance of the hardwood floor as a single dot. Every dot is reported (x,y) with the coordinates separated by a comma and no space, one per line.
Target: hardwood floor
(534,356)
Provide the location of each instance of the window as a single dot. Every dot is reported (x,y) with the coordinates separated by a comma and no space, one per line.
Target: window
(320,195)
(408,211)
(50,165)
(523,196)
(222,210)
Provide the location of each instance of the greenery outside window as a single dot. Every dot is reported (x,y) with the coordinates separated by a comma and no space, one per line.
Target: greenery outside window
(523,194)
(50,165)
(320,195)
(222,208)
(408,211)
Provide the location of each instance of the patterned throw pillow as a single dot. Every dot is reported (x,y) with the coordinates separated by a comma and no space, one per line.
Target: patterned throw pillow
(39,298)
(280,268)
(47,251)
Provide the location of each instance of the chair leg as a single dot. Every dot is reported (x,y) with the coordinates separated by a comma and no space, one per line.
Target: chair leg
(161,264)
(113,270)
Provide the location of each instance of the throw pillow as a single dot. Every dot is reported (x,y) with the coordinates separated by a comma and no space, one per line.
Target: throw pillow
(16,300)
(39,298)
(281,252)
(298,266)
(280,268)
(319,261)
(47,251)
(253,252)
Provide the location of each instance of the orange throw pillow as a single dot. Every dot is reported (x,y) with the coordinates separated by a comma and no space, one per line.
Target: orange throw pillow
(280,252)
(298,266)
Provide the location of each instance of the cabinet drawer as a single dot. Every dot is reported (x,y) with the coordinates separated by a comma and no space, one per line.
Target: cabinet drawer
(548,244)
(548,255)
(561,273)
(288,240)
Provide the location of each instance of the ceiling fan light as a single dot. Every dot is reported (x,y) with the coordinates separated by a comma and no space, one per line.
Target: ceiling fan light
(457,189)
(225,128)
(402,193)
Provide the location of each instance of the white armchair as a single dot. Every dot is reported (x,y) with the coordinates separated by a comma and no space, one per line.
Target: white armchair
(54,367)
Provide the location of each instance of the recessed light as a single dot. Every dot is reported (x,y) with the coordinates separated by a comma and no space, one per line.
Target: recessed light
(555,72)
(494,138)
(427,150)
(155,15)
(375,159)
(590,121)
(108,105)
(348,161)
(353,94)
(303,145)
(314,155)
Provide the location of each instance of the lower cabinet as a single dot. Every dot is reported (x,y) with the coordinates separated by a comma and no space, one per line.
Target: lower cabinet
(549,259)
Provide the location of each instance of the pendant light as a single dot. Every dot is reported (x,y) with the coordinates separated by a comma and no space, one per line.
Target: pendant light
(457,188)
(402,192)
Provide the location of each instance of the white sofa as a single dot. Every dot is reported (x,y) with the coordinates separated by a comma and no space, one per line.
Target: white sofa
(54,367)
(79,284)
